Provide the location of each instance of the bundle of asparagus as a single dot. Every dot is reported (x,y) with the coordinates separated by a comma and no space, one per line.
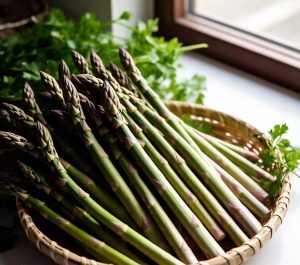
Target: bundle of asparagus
(108,163)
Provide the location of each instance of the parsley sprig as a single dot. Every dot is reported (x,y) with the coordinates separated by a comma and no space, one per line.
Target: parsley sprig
(280,157)
(40,47)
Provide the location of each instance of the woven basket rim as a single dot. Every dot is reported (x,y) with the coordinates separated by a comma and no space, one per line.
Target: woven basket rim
(43,9)
(236,255)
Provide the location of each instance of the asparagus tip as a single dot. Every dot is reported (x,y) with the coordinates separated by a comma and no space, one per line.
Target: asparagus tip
(96,62)
(109,99)
(63,69)
(113,67)
(75,54)
(43,75)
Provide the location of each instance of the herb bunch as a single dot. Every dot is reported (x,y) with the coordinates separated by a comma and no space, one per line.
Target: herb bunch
(54,37)
(280,156)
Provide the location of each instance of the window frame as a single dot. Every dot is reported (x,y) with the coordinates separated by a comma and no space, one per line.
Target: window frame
(238,48)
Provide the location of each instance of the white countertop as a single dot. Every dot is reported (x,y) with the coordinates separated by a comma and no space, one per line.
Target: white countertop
(253,100)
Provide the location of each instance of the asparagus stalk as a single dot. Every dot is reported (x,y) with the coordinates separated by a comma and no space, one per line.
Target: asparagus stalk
(151,250)
(97,247)
(101,72)
(97,65)
(192,224)
(185,193)
(251,156)
(179,186)
(187,175)
(121,78)
(34,110)
(210,176)
(153,98)
(258,174)
(227,165)
(16,115)
(53,87)
(78,213)
(63,70)
(241,192)
(118,185)
(166,226)
(80,63)
(18,142)
(100,214)
(99,194)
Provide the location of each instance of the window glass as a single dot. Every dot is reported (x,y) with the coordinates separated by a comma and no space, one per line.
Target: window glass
(276,20)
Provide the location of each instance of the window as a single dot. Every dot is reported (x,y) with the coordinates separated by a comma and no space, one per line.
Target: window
(259,36)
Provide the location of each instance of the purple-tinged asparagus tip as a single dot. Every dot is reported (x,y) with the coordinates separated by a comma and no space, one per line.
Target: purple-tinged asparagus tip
(63,69)
(109,99)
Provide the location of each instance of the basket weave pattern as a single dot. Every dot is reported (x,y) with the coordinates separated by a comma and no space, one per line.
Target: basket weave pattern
(223,126)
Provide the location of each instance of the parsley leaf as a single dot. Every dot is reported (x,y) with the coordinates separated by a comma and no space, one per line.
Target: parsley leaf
(280,157)
(40,47)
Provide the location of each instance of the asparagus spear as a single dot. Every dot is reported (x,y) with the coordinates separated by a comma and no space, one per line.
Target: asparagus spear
(210,176)
(166,226)
(252,169)
(164,223)
(97,247)
(34,110)
(241,192)
(63,70)
(100,214)
(18,142)
(251,156)
(112,107)
(118,185)
(185,193)
(187,175)
(100,195)
(101,72)
(80,63)
(121,78)
(227,165)
(152,96)
(79,214)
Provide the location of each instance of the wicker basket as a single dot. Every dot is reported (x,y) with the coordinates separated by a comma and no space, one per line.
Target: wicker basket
(17,14)
(226,127)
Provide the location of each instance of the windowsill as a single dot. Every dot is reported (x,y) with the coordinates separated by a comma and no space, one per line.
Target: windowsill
(252,99)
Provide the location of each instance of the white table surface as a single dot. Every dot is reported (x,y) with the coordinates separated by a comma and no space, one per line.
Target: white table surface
(253,100)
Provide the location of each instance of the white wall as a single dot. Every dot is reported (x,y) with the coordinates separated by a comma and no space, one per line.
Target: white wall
(139,9)
(107,10)
(102,8)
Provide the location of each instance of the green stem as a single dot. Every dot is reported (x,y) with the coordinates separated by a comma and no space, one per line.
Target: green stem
(192,224)
(241,192)
(193,47)
(166,226)
(209,175)
(227,165)
(187,175)
(185,193)
(104,164)
(101,195)
(97,247)
(251,156)
(254,171)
